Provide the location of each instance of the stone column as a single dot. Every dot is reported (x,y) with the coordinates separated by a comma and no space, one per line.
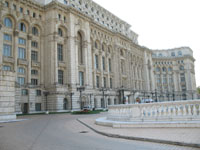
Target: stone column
(1,47)
(28,50)
(15,50)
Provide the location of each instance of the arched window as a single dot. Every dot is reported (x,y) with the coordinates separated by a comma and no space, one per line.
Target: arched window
(35,31)
(22,27)
(60,33)
(80,48)
(8,22)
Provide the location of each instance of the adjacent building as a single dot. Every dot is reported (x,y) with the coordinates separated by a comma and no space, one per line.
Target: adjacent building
(67,54)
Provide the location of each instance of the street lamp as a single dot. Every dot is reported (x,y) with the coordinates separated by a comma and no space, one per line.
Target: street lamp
(156,95)
(80,89)
(121,91)
(46,93)
(71,94)
(103,90)
(173,96)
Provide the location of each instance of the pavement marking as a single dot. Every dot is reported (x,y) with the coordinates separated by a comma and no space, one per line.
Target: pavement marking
(140,139)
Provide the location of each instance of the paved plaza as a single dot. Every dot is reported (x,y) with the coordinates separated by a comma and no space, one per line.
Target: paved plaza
(64,132)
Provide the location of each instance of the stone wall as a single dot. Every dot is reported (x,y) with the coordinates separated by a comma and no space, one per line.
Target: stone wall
(7,95)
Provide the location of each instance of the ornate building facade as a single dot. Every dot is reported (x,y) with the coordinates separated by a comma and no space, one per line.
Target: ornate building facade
(67,54)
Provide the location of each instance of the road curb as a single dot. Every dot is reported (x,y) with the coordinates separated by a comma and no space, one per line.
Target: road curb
(139,138)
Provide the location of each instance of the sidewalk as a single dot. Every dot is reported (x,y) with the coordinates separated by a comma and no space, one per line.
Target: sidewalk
(177,136)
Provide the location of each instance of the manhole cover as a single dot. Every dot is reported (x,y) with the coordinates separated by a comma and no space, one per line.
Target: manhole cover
(84,132)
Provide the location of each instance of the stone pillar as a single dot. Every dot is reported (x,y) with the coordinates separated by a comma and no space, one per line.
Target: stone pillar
(1,47)
(15,50)
(28,49)
(7,97)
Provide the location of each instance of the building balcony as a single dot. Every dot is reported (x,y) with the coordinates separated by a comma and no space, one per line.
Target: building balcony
(22,62)
(8,59)
(61,64)
(35,64)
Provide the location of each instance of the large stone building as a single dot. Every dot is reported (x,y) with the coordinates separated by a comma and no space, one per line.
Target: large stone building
(66,54)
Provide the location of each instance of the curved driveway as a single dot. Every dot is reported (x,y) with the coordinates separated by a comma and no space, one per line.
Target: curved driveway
(63,132)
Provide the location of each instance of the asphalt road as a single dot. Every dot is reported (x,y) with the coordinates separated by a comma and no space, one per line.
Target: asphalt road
(63,132)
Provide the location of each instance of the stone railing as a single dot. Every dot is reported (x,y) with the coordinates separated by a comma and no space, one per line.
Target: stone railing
(165,111)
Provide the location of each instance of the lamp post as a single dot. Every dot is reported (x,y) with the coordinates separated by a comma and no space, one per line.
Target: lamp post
(103,90)
(173,96)
(71,94)
(46,93)
(80,89)
(156,95)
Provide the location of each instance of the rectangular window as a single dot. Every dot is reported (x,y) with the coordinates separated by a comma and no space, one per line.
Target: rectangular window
(14,7)
(7,50)
(34,56)
(81,78)
(60,76)
(34,81)
(21,53)
(34,44)
(21,80)
(96,62)
(97,81)
(21,70)
(34,15)
(6,4)
(7,37)
(6,68)
(182,76)
(60,52)
(21,10)
(22,41)
(103,63)
(34,72)
(24,92)
(110,66)
(28,12)
(38,93)
(104,82)
(37,106)
(111,83)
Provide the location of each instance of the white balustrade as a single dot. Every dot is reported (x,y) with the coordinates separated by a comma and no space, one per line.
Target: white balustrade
(164,111)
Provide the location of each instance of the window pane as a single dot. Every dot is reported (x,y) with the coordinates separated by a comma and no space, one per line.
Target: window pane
(34,81)
(60,52)
(21,70)
(21,53)
(34,56)
(60,76)
(7,37)
(8,22)
(21,80)
(6,68)
(22,41)
(7,50)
